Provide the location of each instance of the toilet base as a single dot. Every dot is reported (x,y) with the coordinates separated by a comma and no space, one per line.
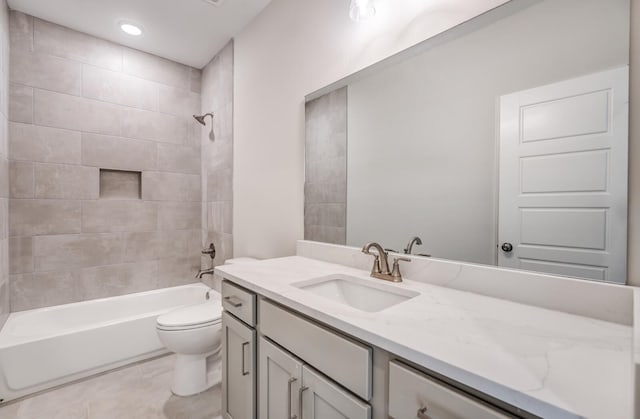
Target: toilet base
(194,374)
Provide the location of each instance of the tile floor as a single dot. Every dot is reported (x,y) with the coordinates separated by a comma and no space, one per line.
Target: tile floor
(139,391)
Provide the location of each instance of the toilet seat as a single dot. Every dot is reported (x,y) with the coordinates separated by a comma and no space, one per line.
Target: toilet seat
(191,317)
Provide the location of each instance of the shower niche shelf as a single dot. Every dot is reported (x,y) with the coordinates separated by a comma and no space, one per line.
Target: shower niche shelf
(120,184)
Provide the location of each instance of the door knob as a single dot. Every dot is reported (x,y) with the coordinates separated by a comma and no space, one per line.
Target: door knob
(507,247)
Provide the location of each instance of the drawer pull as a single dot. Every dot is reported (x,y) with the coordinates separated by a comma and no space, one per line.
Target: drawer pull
(244,372)
(234,301)
(422,413)
(302,389)
(289,384)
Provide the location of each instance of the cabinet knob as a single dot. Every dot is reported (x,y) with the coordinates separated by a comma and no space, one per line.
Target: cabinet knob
(422,413)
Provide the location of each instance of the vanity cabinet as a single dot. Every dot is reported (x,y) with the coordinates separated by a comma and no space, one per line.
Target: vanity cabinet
(280,379)
(413,394)
(288,386)
(238,353)
(306,370)
(321,398)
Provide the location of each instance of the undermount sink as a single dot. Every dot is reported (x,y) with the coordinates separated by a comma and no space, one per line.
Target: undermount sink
(356,292)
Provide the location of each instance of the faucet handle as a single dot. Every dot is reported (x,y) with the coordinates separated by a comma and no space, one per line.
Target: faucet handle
(395,272)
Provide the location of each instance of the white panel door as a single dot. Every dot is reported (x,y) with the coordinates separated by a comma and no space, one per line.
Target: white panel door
(280,379)
(563,177)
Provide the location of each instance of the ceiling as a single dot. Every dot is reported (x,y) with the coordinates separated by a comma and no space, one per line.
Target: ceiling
(187,31)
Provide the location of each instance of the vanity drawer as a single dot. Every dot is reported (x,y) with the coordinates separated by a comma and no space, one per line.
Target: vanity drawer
(239,302)
(347,362)
(411,391)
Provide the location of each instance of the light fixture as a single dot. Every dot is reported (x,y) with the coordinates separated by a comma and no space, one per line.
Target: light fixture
(361,10)
(130,28)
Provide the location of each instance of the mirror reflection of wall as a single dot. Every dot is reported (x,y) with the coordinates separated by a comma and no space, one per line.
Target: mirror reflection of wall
(422,149)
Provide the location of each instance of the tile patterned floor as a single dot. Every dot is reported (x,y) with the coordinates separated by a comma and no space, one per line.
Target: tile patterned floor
(139,391)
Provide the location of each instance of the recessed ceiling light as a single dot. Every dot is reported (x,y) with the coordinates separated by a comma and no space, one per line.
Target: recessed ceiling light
(130,28)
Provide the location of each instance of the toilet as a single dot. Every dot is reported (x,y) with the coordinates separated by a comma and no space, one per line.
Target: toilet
(194,333)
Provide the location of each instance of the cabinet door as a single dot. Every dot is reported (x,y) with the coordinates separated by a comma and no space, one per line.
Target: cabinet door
(279,380)
(320,398)
(238,369)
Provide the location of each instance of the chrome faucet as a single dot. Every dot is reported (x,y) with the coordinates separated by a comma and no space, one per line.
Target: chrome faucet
(416,240)
(380,267)
(211,251)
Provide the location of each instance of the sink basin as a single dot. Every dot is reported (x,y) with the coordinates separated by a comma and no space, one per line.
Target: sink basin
(356,292)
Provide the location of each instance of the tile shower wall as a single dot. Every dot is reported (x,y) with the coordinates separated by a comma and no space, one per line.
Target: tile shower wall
(79,104)
(217,156)
(4,163)
(325,187)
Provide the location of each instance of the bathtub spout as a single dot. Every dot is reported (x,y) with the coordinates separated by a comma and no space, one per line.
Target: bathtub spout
(204,272)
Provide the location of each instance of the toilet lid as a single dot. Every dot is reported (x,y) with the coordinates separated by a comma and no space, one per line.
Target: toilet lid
(199,314)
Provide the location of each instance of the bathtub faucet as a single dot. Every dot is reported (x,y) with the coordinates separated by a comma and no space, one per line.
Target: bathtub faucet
(211,251)
(204,272)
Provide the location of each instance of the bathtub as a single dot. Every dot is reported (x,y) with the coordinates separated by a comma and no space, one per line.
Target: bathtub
(46,347)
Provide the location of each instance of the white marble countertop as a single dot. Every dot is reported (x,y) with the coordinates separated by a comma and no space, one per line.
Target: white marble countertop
(547,362)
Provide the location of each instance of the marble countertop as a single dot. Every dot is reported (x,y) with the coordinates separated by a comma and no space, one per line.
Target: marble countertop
(547,362)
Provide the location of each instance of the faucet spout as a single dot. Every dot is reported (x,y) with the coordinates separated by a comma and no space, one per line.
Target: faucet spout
(204,272)
(383,268)
(416,240)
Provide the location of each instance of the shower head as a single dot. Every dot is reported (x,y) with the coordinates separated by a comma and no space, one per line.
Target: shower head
(200,119)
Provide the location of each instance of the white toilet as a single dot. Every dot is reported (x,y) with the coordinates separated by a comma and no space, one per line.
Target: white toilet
(194,333)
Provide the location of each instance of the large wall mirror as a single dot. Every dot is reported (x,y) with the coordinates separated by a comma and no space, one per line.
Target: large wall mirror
(501,141)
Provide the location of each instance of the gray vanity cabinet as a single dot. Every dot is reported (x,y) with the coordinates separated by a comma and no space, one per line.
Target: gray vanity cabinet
(280,379)
(238,353)
(287,385)
(321,398)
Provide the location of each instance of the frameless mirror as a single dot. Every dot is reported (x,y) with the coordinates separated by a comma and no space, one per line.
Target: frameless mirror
(501,141)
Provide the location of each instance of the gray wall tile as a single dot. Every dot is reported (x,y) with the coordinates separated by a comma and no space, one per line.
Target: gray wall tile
(43,144)
(71,112)
(178,215)
(178,271)
(21,27)
(43,289)
(46,72)
(220,216)
(112,216)
(151,67)
(4,180)
(64,42)
(59,181)
(178,101)
(76,250)
(31,217)
(178,158)
(196,80)
(20,103)
(153,126)
(22,184)
(118,153)
(106,281)
(161,186)
(114,87)
(20,255)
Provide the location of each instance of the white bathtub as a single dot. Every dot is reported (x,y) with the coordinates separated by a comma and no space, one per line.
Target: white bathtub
(46,347)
